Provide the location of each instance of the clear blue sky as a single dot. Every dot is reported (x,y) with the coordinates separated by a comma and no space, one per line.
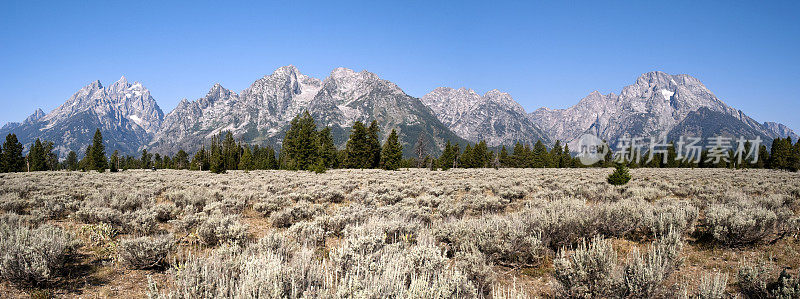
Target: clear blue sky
(550,55)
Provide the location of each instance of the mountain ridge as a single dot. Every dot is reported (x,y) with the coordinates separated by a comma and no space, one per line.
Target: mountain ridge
(657,104)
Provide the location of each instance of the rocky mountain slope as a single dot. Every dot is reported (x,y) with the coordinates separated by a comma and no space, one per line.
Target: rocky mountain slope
(125,113)
(658,105)
(262,112)
(494,116)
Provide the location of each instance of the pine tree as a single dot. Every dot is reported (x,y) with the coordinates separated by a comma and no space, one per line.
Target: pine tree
(540,155)
(555,155)
(565,160)
(358,149)
(518,156)
(794,158)
(447,158)
(299,151)
(763,157)
(181,160)
(12,155)
(230,152)
(374,144)
(158,162)
(481,156)
(200,159)
(326,150)
(620,176)
(465,159)
(217,159)
(246,162)
(37,157)
(672,155)
(98,152)
(780,153)
(392,153)
(503,158)
(146,160)
(114,161)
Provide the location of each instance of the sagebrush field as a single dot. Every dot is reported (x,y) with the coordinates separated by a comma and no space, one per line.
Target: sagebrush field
(462,233)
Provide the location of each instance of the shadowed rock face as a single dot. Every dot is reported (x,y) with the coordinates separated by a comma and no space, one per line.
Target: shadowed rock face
(655,105)
(494,116)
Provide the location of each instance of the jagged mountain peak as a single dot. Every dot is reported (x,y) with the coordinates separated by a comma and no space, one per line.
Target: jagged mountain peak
(218,90)
(494,116)
(653,105)
(35,116)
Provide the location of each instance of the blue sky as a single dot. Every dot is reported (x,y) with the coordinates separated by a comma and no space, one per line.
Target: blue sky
(543,54)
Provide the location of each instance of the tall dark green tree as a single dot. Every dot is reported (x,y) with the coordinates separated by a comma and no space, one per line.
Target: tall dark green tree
(98,152)
(780,153)
(566,160)
(246,162)
(481,156)
(555,155)
(540,155)
(503,158)
(299,151)
(230,152)
(392,154)
(114,165)
(181,160)
(466,159)
(146,160)
(200,159)
(326,150)
(794,157)
(12,155)
(158,161)
(449,156)
(518,156)
(374,143)
(37,157)
(216,156)
(358,149)
(72,161)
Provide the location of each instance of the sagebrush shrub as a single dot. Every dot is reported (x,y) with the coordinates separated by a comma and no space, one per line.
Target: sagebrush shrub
(145,252)
(93,215)
(501,239)
(712,286)
(734,225)
(591,271)
(33,256)
(643,274)
(289,215)
(754,280)
(219,229)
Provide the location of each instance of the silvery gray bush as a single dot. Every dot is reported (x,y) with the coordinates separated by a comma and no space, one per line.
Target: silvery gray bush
(144,252)
(33,256)
(219,229)
(591,271)
(712,286)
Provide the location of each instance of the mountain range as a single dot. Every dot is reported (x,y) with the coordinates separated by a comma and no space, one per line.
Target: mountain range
(657,104)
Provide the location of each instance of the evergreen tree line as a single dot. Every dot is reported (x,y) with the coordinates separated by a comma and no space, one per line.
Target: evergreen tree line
(307,148)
